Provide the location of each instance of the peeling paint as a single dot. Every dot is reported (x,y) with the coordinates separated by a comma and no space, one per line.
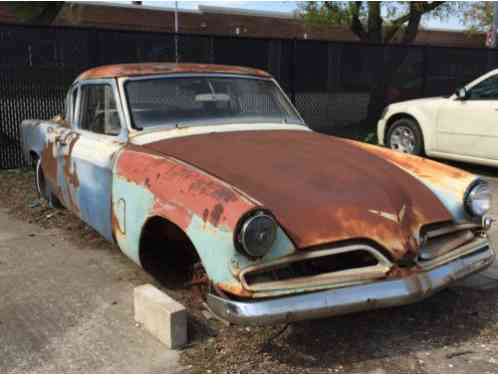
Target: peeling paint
(129,70)
(321,190)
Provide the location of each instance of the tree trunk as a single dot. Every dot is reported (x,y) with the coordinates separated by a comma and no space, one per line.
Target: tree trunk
(385,74)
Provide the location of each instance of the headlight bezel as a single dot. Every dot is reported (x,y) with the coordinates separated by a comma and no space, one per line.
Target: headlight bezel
(477,188)
(243,226)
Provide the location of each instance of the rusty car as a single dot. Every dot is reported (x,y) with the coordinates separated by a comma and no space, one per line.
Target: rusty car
(209,172)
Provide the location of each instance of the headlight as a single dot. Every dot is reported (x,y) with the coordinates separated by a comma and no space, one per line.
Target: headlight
(478,199)
(257,234)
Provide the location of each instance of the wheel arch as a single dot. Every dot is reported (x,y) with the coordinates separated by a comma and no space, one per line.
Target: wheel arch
(418,119)
(164,246)
(34,155)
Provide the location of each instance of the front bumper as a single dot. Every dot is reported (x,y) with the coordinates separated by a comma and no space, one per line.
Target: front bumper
(354,298)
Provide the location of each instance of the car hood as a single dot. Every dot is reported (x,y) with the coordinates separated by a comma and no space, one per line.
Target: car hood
(321,189)
(422,101)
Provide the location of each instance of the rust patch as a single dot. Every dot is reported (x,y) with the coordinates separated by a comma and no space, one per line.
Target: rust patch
(60,120)
(182,191)
(49,163)
(321,189)
(71,176)
(115,223)
(234,288)
(447,178)
(128,70)
(205,215)
(402,272)
(216,214)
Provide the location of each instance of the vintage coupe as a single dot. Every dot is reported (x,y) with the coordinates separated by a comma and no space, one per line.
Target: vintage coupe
(212,165)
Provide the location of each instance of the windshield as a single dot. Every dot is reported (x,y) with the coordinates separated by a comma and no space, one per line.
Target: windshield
(193,101)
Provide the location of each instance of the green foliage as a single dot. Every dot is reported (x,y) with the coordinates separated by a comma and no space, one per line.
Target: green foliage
(478,15)
(42,12)
(325,12)
(380,22)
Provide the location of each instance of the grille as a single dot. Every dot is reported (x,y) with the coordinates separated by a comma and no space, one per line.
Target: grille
(340,266)
(442,241)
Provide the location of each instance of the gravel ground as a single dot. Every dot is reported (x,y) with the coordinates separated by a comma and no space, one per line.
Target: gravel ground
(453,331)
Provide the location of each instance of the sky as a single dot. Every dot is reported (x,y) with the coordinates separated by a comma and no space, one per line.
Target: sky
(277,6)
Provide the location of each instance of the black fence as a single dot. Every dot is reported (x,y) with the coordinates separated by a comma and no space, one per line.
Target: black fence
(339,88)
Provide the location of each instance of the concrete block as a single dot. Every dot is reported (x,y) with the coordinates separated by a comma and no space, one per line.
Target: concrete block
(161,315)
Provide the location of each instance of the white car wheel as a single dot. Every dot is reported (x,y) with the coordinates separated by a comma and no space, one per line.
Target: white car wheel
(404,136)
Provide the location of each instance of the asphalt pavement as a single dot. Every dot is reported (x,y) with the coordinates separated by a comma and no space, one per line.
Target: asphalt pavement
(69,309)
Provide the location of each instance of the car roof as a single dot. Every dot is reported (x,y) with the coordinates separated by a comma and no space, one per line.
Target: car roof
(144,69)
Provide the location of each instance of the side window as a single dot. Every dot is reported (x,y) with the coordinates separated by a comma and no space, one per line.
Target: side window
(98,110)
(485,90)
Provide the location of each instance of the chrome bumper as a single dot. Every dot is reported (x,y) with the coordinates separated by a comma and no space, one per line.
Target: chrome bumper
(354,298)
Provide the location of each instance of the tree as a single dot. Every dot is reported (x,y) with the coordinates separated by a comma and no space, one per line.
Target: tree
(378,22)
(39,13)
(478,15)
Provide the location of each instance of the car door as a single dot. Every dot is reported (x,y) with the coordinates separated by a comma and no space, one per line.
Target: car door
(52,156)
(469,126)
(89,153)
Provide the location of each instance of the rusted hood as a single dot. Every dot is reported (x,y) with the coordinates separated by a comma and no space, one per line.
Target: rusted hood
(321,189)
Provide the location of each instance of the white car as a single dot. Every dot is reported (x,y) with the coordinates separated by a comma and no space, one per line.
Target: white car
(463,126)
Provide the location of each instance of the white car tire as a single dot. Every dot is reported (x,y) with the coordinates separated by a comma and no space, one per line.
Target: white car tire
(404,135)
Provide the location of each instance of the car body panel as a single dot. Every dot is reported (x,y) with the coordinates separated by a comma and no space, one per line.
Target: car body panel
(449,184)
(326,165)
(148,69)
(205,208)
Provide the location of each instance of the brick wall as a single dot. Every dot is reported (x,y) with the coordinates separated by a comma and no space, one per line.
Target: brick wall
(148,19)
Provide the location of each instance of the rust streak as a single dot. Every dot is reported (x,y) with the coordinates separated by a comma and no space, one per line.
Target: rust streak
(216,214)
(321,189)
(128,70)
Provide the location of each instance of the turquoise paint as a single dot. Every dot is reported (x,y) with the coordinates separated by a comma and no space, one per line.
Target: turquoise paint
(454,206)
(452,203)
(139,204)
(282,247)
(213,244)
(215,248)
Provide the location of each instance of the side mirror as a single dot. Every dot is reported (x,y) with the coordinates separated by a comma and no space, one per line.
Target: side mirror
(462,93)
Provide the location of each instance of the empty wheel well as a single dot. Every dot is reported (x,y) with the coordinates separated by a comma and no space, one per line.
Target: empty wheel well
(167,253)
(34,158)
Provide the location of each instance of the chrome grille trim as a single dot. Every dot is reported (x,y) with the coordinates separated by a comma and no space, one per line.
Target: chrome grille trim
(337,278)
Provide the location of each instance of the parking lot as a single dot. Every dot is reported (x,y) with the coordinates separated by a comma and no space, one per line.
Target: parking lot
(67,306)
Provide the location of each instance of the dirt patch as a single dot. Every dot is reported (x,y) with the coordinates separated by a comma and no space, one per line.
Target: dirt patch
(17,192)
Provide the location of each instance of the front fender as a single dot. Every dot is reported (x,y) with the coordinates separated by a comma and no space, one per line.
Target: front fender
(449,184)
(146,185)
(425,117)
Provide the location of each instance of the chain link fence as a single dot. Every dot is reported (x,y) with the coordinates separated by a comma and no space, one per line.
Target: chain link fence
(339,88)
